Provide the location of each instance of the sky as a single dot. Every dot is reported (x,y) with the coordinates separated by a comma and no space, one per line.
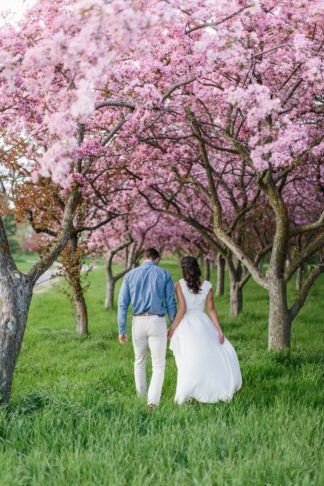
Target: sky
(17,7)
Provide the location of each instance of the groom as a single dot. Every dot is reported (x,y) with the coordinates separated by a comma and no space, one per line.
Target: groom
(150,291)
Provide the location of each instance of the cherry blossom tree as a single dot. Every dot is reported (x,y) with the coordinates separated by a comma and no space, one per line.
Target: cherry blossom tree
(246,95)
(95,209)
(55,68)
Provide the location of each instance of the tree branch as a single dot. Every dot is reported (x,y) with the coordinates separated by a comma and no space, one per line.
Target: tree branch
(310,249)
(304,291)
(214,24)
(205,160)
(219,232)
(117,103)
(307,227)
(109,218)
(176,86)
(7,264)
(40,229)
(113,132)
(60,242)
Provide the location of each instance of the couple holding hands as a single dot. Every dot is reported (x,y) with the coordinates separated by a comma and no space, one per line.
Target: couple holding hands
(208,367)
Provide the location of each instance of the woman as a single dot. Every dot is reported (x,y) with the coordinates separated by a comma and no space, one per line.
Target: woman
(208,368)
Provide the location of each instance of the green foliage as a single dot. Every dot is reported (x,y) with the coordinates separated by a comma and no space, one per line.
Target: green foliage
(75,420)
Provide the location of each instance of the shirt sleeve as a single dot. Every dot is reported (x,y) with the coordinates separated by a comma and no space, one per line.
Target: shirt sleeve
(123,304)
(170,300)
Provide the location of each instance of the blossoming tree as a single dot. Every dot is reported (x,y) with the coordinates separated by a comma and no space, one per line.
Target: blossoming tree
(55,69)
(246,94)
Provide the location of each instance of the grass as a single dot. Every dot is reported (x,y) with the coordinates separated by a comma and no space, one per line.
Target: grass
(25,262)
(74,418)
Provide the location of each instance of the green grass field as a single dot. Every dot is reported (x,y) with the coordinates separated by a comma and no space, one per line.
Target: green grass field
(75,420)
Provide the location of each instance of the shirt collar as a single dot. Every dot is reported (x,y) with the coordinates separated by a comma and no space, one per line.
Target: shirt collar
(148,263)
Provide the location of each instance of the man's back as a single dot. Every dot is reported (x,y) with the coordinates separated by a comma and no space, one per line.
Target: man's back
(148,288)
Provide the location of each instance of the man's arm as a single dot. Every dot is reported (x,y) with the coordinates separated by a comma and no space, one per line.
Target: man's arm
(170,300)
(123,304)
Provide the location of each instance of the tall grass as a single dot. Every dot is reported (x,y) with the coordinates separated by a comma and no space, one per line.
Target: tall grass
(75,420)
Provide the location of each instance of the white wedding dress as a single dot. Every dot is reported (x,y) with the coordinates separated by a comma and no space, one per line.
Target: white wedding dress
(207,370)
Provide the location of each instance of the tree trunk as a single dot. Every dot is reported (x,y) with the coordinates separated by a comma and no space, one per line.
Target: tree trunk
(201,261)
(207,268)
(236,298)
(279,320)
(126,262)
(236,291)
(299,278)
(110,291)
(15,293)
(220,282)
(73,267)
(81,312)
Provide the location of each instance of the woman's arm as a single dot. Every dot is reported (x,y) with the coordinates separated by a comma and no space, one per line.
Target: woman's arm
(213,315)
(181,310)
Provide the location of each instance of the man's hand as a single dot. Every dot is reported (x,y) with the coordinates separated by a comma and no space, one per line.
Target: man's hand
(123,338)
(221,337)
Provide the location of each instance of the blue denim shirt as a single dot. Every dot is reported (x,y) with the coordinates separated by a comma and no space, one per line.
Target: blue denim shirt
(148,288)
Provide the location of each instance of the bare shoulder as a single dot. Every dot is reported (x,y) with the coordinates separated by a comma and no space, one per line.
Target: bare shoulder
(178,287)
(179,294)
(208,291)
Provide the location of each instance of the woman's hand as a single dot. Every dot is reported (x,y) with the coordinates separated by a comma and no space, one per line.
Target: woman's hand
(170,332)
(221,337)
(181,310)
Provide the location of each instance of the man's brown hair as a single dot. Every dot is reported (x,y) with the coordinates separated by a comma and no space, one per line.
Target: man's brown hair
(151,254)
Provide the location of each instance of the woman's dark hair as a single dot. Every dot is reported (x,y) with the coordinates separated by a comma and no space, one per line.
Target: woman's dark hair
(191,273)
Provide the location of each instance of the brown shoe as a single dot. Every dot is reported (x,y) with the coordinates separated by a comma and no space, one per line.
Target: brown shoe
(151,407)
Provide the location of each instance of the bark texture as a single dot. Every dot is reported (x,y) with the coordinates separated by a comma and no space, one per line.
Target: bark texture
(15,294)
(236,297)
(279,318)
(299,278)
(72,262)
(16,290)
(110,289)
(220,276)
(81,311)
(132,257)
(207,268)
(236,286)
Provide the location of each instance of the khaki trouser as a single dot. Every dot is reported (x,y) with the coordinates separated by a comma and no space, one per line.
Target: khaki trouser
(149,332)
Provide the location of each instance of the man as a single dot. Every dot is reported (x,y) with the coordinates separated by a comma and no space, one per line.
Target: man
(150,291)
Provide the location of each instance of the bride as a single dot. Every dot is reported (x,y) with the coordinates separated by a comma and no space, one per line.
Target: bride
(208,368)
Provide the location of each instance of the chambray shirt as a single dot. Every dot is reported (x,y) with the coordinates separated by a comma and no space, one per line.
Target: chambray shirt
(148,288)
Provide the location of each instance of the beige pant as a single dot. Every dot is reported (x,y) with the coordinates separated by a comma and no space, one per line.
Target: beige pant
(149,332)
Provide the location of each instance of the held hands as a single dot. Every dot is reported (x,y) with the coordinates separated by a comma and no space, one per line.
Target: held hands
(123,338)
